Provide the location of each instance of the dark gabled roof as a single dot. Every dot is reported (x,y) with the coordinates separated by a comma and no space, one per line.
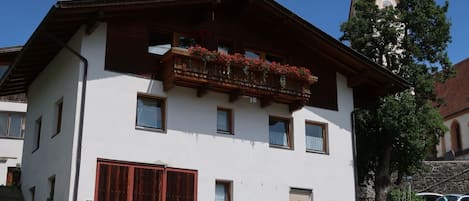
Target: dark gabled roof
(8,54)
(66,17)
(13,49)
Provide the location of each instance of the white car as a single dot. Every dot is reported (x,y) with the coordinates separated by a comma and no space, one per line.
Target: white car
(454,197)
(430,196)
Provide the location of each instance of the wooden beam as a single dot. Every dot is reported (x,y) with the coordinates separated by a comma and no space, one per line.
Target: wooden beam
(168,83)
(235,94)
(358,79)
(296,105)
(92,22)
(6,93)
(13,84)
(202,90)
(266,101)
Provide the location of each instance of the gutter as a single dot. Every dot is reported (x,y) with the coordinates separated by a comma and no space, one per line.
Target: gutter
(354,147)
(82,111)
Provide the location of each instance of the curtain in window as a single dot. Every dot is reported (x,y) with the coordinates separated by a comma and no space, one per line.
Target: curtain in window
(16,125)
(149,113)
(3,124)
(220,192)
(180,186)
(314,137)
(278,132)
(222,120)
(147,184)
(113,182)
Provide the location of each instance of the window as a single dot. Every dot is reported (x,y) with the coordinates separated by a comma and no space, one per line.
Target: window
(51,188)
(456,144)
(150,113)
(272,58)
(184,41)
(13,176)
(142,182)
(32,191)
(253,54)
(225,47)
(316,137)
(222,191)
(297,194)
(224,121)
(58,116)
(279,132)
(37,134)
(159,43)
(12,124)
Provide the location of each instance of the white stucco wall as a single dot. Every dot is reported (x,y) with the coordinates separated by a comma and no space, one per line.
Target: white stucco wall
(257,171)
(463,121)
(54,156)
(10,149)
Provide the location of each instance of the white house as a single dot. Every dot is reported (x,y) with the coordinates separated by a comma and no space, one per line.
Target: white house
(455,143)
(119,109)
(12,126)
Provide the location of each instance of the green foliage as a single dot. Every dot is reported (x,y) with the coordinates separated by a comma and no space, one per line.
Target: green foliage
(398,195)
(411,41)
(411,130)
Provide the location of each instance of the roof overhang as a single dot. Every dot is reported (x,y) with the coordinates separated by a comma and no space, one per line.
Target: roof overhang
(66,17)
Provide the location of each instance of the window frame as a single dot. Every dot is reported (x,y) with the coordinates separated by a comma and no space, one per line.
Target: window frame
(32,192)
(230,120)
(226,43)
(37,134)
(153,32)
(163,113)
(263,55)
(178,35)
(301,191)
(228,188)
(325,137)
(51,188)
(23,125)
(290,144)
(58,117)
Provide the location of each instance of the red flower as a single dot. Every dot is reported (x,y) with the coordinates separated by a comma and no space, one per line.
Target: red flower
(296,72)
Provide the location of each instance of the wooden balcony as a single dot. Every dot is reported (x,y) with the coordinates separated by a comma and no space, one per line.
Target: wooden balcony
(183,69)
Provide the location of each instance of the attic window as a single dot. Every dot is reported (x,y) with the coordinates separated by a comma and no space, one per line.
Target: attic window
(184,41)
(252,54)
(225,47)
(159,43)
(272,58)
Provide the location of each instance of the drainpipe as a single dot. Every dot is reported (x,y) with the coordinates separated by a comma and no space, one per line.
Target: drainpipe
(354,147)
(82,110)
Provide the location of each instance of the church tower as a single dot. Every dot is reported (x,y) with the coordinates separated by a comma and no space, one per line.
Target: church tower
(379,3)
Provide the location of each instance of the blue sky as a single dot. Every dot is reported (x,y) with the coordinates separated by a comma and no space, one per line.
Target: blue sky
(20,18)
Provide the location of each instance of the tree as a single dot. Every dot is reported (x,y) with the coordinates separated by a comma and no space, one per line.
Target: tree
(395,134)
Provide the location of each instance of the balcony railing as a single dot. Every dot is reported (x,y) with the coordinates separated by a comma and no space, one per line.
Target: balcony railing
(181,68)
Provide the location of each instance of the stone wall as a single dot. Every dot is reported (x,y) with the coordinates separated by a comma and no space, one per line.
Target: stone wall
(443,177)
